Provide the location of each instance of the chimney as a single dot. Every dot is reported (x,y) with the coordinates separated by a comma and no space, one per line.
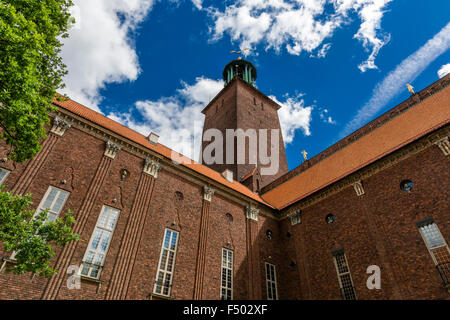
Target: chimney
(153,138)
(228,174)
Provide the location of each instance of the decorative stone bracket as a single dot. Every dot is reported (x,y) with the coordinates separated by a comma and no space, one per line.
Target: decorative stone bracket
(252,213)
(296,217)
(444,145)
(358,188)
(111,149)
(60,126)
(152,167)
(207,193)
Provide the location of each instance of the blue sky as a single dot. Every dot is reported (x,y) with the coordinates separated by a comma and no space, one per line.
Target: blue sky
(153,65)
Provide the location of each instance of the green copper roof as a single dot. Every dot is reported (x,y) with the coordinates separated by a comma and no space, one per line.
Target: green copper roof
(242,68)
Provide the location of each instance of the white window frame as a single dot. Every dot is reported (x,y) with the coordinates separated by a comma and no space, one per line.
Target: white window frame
(342,274)
(97,251)
(41,204)
(41,208)
(227,271)
(3,178)
(270,281)
(165,271)
(430,249)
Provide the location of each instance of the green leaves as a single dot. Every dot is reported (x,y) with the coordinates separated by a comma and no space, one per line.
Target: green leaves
(31,70)
(31,238)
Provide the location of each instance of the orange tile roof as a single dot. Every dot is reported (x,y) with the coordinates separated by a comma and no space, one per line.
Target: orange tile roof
(422,118)
(166,152)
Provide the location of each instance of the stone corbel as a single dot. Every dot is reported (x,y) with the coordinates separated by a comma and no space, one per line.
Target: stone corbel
(152,167)
(358,188)
(207,193)
(296,217)
(60,126)
(111,149)
(444,145)
(252,213)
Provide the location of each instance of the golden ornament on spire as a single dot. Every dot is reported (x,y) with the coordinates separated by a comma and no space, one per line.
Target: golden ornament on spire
(410,88)
(304,153)
(239,52)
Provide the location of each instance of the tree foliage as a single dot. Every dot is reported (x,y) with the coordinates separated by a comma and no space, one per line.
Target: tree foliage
(29,237)
(31,69)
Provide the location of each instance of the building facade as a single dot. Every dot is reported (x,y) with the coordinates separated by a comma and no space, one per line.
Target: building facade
(374,203)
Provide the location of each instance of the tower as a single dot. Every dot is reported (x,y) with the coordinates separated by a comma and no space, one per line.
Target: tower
(241,108)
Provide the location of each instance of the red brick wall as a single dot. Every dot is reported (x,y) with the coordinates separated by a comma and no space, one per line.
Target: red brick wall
(378,228)
(240,111)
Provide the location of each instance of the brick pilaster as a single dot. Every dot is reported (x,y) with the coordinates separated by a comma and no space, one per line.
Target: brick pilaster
(203,239)
(59,127)
(131,240)
(64,259)
(254,270)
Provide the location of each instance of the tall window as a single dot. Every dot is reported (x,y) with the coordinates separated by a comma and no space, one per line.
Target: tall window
(437,247)
(3,174)
(344,276)
(164,276)
(98,245)
(226,288)
(271,282)
(54,200)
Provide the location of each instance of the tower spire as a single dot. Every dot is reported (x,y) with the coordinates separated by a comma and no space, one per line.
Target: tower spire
(241,68)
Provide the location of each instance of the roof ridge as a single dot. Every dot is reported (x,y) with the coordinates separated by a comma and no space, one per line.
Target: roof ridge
(132,135)
(385,117)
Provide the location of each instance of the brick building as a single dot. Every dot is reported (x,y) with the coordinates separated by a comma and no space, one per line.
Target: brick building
(154,228)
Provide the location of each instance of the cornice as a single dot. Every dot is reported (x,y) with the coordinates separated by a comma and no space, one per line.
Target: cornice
(397,156)
(136,149)
(404,106)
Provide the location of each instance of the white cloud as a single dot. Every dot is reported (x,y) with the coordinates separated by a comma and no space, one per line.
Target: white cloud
(299,25)
(293,115)
(198,4)
(176,119)
(179,122)
(444,70)
(396,80)
(370,13)
(100,49)
(325,117)
(322,52)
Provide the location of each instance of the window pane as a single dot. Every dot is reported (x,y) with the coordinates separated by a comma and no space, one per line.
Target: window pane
(432,236)
(57,206)
(50,197)
(174,241)
(167,239)
(96,238)
(51,217)
(103,218)
(89,257)
(105,240)
(3,174)
(162,265)
(112,220)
